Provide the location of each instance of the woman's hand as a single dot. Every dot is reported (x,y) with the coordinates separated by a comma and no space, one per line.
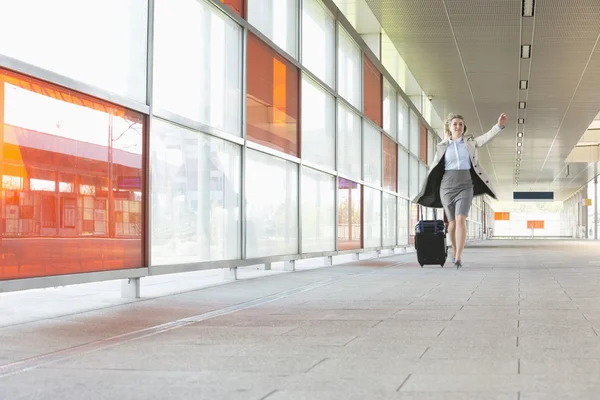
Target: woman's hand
(502,120)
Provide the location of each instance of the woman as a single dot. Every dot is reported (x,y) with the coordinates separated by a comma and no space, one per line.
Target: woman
(455,176)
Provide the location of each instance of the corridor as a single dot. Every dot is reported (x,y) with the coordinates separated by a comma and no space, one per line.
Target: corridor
(520,321)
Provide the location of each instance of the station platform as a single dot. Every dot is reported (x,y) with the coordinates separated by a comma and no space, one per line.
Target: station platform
(520,321)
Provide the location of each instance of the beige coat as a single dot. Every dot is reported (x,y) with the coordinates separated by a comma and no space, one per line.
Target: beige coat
(429,196)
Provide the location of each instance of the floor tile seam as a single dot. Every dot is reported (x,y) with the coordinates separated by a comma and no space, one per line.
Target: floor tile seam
(17,367)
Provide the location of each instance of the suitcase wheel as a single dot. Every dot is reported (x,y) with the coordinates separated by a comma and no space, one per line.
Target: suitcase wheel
(421,265)
(442,265)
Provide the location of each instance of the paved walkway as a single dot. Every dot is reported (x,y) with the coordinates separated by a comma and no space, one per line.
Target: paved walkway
(519,322)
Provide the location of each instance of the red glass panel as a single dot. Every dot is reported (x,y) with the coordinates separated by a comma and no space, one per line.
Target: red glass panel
(349,215)
(235,5)
(373,93)
(390,164)
(72,181)
(272,100)
(423,144)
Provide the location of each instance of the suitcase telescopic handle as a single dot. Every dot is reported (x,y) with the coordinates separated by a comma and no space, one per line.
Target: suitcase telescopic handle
(421,218)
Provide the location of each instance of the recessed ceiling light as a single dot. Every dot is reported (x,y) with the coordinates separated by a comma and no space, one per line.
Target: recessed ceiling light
(522,105)
(518,151)
(521,121)
(518,165)
(523,84)
(518,160)
(528,8)
(526,51)
(520,134)
(520,144)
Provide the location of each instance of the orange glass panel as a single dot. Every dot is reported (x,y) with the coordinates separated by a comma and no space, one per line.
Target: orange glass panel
(272,99)
(373,93)
(349,215)
(423,144)
(502,216)
(72,181)
(235,5)
(390,164)
(535,224)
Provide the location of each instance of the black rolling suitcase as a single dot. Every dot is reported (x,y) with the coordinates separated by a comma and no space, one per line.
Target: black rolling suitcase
(430,241)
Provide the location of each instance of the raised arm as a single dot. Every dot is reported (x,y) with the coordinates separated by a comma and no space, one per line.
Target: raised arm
(486,137)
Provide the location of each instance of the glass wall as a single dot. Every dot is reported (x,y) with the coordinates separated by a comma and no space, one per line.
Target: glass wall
(271,134)
(72,181)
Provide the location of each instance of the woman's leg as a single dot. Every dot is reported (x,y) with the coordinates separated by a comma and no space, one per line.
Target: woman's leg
(460,236)
(452,233)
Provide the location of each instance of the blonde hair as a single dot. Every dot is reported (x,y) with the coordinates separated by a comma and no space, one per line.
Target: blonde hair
(449,121)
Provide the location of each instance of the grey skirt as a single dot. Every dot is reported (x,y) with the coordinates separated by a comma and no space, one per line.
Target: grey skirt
(456,192)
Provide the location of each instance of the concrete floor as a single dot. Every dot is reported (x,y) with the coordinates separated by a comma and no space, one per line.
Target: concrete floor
(520,321)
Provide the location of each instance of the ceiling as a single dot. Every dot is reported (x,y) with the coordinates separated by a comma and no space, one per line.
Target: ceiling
(467,55)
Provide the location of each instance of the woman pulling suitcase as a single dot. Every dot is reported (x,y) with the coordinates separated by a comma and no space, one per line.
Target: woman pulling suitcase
(455,177)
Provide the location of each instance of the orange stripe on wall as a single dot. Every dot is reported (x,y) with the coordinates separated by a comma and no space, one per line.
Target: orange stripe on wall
(502,216)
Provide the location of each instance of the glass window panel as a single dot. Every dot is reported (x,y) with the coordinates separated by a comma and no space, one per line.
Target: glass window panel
(403,173)
(276,19)
(318,125)
(236,5)
(318,211)
(403,206)
(318,41)
(272,100)
(349,68)
(423,143)
(389,219)
(195,193)
(349,219)
(414,133)
(272,205)
(202,83)
(372,218)
(389,109)
(414,181)
(372,90)
(390,167)
(414,218)
(403,132)
(101,43)
(372,154)
(422,175)
(349,143)
(55,138)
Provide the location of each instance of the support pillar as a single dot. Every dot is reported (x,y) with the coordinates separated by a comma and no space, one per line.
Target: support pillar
(289,265)
(268,266)
(328,260)
(356,257)
(230,274)
(130,288)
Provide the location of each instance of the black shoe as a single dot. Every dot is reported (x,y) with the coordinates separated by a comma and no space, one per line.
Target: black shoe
(458,264)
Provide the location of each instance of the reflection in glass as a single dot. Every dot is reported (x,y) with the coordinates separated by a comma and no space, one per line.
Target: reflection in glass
(390,167)
(272,208)
(372,159)
(403,173)
(349,215)
(403,206)
(349,68)
(318,211)
(389,219)
(202,83)
(101,43)
(414,180)
(72,181)
(195,191)
(389,109)
(414,133)
(276,19)
(318,125)
(349,143)
(318,41)
(236,5)
(403,134)
(372,218)
(372,92)
(272,98)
